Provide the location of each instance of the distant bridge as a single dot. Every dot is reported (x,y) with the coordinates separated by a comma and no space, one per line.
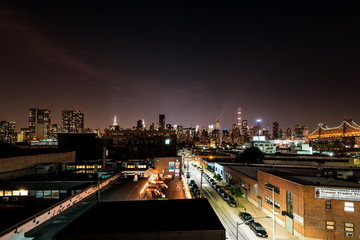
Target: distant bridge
(348,128)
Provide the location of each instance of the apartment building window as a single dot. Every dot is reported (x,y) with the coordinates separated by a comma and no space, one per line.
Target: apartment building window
(330,225)
(349,207)
(349,227)
(328,204)
(270,202)
(271,187)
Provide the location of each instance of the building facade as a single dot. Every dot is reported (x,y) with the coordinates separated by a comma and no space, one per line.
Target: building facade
(142,144)
(39,123)
(7,131)
(308,206)
(72,121)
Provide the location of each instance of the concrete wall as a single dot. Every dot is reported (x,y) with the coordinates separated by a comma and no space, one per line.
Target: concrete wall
(24,162)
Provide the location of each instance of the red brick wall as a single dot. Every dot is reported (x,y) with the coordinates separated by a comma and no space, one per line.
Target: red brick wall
(316,215)
(311,209)
(285,186)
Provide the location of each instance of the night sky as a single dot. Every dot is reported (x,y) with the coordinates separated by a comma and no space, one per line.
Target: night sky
(294,63)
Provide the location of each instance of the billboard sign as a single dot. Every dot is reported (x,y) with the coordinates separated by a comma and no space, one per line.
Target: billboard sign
(171,167)
(339,194)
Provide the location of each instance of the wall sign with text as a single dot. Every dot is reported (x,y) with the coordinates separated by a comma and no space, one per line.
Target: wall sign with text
(340,194)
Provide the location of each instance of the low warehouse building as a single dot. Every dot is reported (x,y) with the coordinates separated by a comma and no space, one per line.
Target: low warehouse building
(153,219)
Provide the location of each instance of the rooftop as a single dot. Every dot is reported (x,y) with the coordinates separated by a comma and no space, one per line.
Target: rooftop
(303,176)
(318,181)
(145,216)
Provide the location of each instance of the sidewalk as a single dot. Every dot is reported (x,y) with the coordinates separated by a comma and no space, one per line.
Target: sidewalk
(281,232)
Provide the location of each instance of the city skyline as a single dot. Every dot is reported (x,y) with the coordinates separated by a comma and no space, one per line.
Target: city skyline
(293,64)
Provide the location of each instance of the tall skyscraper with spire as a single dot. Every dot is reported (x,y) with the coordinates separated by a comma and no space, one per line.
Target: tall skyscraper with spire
(115,123)
(239,117)
(217,124)
(114,126)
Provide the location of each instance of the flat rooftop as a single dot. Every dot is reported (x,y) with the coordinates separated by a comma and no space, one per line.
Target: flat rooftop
(145,216)
(303,176)
(318,181)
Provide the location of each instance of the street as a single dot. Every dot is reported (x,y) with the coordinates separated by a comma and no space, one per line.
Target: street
(228,216)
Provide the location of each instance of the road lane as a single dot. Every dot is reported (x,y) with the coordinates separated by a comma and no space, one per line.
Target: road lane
(229,216)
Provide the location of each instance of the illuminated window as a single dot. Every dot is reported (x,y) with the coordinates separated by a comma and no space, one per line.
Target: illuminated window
(8,193)
(39,193)
(349,227)
(271,187)
(55,194)
(349,207)
(1,193)
(16,193)
(328,204)
(270,202)
(47,194)
(330,225)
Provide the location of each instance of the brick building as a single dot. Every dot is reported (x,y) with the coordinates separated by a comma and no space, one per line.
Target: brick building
(308,206)
(168,166)
(142,144)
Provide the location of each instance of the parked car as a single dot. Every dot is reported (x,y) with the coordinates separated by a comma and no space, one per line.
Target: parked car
(198,194)
(220,190)
(258,229)
(217,188)
(231,201)
(194,187)
(192,181)
(224,195)
(246,217)
(211,180)
(214,185)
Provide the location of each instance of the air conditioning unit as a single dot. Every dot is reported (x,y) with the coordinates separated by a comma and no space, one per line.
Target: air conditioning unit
(5,199)
(15,199)
(349,234)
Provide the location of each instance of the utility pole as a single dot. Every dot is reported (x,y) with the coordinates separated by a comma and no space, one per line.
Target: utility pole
(201,177)
(273,197)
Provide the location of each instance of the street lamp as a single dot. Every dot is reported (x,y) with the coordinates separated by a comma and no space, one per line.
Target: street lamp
(273,210)
(238,224)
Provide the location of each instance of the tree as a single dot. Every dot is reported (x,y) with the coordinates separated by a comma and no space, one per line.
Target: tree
(217,177)
(238,193)
(252,155)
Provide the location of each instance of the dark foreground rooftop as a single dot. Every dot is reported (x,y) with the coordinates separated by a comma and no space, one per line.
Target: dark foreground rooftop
(135,218)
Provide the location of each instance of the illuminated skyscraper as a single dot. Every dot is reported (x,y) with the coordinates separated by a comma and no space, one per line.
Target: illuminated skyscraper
(161,121)
(276,130)
(217,124)
(114,126)
(244,126)
(39,123)
(115,123)
(7,131)
(72,121)
(239,117)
